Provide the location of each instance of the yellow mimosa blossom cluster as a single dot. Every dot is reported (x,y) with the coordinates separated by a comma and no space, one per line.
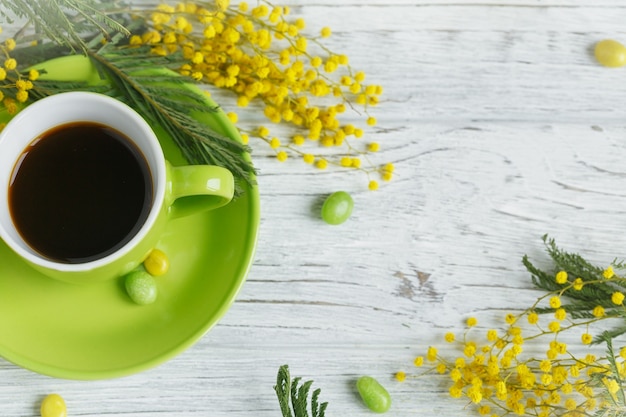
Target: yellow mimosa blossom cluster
(14,85)
(495,376)
(263,55)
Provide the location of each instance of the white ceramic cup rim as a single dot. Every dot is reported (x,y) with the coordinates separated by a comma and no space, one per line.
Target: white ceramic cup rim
(58,110)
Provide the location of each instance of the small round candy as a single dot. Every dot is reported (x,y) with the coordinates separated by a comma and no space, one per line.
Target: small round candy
(141,287)
(374,395)
(610,53)
(156,263)
(337,208)
(53,406)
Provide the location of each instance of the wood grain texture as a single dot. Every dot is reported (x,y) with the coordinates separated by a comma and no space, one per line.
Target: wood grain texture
(502,128)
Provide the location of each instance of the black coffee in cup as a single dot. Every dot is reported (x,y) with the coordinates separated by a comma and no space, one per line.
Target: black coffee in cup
(80,192)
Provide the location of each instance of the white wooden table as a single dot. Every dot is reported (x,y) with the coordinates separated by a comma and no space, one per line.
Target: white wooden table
(502,127)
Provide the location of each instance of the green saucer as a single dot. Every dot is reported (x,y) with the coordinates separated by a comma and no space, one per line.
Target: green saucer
(94,331)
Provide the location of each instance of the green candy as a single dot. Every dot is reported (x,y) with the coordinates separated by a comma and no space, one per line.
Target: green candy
(374,395)
(141,287)
(337,208)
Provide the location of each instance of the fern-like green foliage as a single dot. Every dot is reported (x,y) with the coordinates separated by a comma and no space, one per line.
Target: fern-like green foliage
(615,371)
(595,291)
(293,397)
(162,97)
(66,22)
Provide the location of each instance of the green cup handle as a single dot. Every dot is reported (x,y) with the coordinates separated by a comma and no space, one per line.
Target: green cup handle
(196,188)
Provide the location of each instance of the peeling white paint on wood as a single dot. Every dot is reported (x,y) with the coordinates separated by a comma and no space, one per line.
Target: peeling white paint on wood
(503,128)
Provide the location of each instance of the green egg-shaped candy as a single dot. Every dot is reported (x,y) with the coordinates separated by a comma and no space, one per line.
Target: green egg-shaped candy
(141,287)
(374,395)
(337,208)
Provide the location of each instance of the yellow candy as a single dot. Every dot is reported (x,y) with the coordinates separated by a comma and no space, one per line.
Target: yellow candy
(53,406)
(610,53)
(156,263)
